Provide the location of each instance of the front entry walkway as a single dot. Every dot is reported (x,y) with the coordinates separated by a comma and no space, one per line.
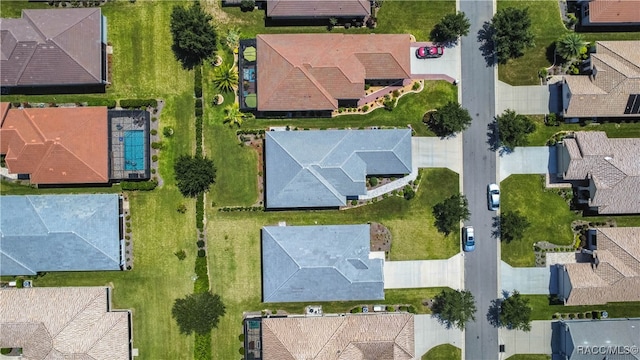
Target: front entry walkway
(430,333)
(424,273)
(528,280)
(528,100)
(433,152)
(536,341)
(528,160)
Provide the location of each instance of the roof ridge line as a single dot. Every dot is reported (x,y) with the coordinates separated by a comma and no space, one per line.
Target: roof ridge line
(16,261)
(333,335)
(43,38)
(347,133)
(281,56)
(317,83)
(624,250)
(327,184)
(93,299)
(395,339)
(102,336)
(290,257)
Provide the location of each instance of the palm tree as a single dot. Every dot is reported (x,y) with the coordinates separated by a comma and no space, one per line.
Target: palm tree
(570,46)
(226,78)
(233,115)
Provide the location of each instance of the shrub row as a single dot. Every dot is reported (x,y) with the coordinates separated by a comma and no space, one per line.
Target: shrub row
(199,135)
(139,185)
(102,102)
(197,86)
(138,103)
(201,284)
(202,348)
(200,243)
(242,208)
(250,132)
(200,212)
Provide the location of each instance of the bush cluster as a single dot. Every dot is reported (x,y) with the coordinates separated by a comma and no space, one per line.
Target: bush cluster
(102,102)
(139,185)
(250,132)
(167,131)
(241,208)
(157,145)
(200,212)
(138,103)
(181,255)
(200,243)
(201,253)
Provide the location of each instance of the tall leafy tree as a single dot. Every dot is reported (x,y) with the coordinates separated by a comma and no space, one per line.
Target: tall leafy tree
(515,312)
(512,225)
(198,313)
(454,307)
(513,129)
(449,119)
(194,174)
(570,46)
(512,33)
(450,212)
(450,28)
(194,38)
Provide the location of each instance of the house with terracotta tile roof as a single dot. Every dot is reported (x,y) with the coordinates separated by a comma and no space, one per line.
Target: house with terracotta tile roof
(64,323)
(388,336)
(75,145)
(610,12)
(314,74)
(611,275)
(358,10)
(605,172)
(612,90)
(54,50)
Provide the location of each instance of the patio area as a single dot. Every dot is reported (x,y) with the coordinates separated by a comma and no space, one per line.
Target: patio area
(248,97)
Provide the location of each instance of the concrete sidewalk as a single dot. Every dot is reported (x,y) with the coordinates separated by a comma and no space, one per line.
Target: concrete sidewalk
(537,341)
(424,273)
(433,152)
(429,333)
(528,160)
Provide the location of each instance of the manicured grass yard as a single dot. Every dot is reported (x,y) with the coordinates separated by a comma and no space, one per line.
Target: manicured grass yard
(543,311)
(443,352)
(547,28)
(613,130)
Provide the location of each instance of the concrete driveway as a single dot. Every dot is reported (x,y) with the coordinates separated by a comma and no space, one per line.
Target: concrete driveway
(528,160)
(448,64)
(424,273)
(528,280)
(528,100)
(429,333)
(433,152)
(537,341)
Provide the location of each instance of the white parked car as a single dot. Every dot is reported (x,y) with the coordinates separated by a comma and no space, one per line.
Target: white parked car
(493,196)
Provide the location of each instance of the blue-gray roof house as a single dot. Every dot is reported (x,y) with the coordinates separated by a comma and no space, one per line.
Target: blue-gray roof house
(614,339)
(59,233)
(314,169)
(319,263)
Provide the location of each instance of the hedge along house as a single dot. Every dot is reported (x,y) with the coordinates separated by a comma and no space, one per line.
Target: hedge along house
(302,75)
(54,51)
(326,168)
(81,145)
(320,263)
(42,233)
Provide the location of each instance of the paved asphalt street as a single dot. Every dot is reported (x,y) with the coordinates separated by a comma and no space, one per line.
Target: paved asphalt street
(479,169)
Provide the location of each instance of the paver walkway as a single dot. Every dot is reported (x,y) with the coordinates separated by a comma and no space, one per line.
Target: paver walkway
(528,280)
(528,100)
(424,273)
(433,152)
(429,333)
(528,160)
(536,341)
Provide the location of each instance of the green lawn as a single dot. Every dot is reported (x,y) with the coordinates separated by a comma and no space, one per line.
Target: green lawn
(443,352)
(542,310)
(613,130)
(394,17)
(529,357)
(547,28)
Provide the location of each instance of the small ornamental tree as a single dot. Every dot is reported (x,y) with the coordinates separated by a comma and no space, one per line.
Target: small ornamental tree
(513,129)
(515,312)
(194,174)
(449,119)
(512,33)
(450,28)
(512,225)
(194,38)
(198,313)
(571,46)
(454,307)
(450,212)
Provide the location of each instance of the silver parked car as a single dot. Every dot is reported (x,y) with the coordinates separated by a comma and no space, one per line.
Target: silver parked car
(493,196)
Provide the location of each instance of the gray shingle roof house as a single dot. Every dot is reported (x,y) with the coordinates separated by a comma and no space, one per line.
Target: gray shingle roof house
(609,168)
(613,273)
(54,47)
(324,168)
(60,233)
(319,263)
(613,339)
(64,323)
(612,88)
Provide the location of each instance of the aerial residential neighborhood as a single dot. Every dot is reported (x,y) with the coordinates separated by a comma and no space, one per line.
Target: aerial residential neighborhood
(320,179)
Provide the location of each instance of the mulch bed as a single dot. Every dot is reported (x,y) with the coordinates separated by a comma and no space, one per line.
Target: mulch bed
(380,238)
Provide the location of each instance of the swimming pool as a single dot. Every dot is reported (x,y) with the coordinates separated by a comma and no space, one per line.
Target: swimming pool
(134,150)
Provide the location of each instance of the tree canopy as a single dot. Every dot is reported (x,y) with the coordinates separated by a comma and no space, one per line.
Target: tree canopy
(194,38)
(449,119)
(512,225)
(512,33)
(513,129)
(515,312)
(570,46)
(450,28)
(198,312)
(454,307)
(194,174)
(450,212)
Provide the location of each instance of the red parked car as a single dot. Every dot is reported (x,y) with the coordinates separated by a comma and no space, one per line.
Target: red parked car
(427,52)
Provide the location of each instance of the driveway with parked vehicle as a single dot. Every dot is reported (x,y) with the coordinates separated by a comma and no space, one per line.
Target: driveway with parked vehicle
(445,67)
